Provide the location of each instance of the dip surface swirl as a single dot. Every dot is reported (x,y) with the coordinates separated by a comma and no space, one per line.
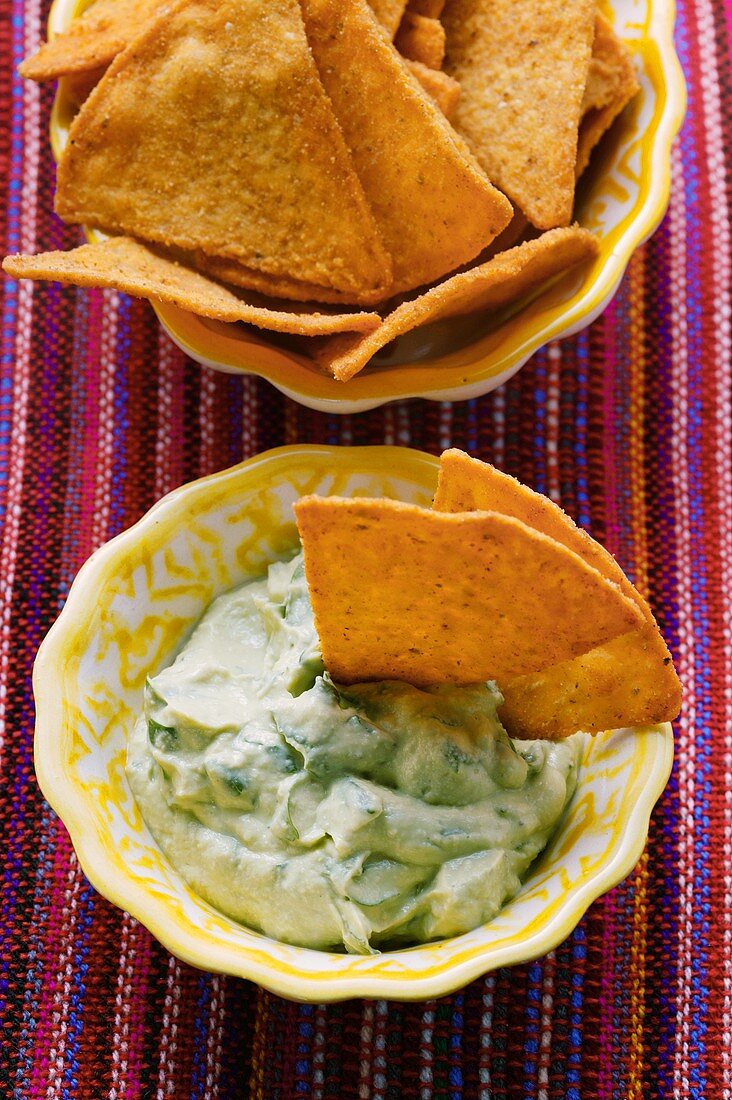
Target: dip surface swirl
(334,817)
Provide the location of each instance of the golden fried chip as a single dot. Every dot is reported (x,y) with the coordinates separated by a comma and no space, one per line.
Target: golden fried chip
(135,269)
(611,84)
(468,485)
(522,67)
(402,592)
(431,8)
(433,205)
(92,40)
(442,88)
(421,39)
(389,13)
(278,286)
(491,285)
(510,237)
(626,682)
(77,87)
(213,131)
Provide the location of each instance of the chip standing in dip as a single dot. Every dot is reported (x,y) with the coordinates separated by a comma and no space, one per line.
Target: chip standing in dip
(395,810)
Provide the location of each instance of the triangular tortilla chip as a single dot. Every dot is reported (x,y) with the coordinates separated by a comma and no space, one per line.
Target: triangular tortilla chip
(212,131)
(626,682)
(277,286)
(92,40)
(421,39)
(433,205)
(135,269)
(466,484)
(389,13)
(501,280)
(611,84)
(442,88)
(522,68)
(402,592)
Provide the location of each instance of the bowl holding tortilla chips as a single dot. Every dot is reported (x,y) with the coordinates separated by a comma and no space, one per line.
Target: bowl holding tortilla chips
(156,580)
(407,200)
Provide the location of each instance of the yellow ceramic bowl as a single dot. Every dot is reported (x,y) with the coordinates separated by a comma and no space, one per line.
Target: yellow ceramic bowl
(129,609)
(622,197)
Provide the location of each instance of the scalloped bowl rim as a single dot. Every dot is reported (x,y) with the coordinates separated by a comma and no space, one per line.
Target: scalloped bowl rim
(63,795)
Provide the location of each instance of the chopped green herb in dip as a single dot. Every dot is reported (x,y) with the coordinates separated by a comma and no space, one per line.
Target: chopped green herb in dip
(327,816)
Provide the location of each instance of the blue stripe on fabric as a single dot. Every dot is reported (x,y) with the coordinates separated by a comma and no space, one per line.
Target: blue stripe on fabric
(12,240)
(200,1037)
(75,1020)
(583,510)
(576,1003)
(303,1067)
(699,978)
(540,418)
(34,974)
(455,1074)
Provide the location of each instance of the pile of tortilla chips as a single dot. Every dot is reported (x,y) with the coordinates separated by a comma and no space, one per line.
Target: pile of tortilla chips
(330,168)
(495,582)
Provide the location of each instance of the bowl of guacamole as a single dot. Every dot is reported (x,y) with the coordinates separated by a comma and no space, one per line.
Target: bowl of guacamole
(331,817)
(264,821)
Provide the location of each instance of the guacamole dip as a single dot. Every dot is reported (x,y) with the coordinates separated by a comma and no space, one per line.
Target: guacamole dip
(333,816)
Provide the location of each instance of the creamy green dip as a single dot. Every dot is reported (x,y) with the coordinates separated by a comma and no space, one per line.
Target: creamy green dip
(328,816)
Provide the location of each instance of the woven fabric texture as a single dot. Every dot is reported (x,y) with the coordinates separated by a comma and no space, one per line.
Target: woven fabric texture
(627,425)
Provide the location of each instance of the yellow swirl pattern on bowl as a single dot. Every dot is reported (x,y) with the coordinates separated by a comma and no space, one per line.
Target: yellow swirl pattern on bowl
(128,611)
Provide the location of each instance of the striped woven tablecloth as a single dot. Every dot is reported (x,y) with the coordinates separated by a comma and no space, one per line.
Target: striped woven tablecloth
(627,425)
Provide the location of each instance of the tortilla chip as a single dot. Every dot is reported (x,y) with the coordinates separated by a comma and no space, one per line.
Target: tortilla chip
(133,268)
(92,40)
(611,84)
(626,682)
(442,88)
(277,286)
(467,485)
(402,592)
(77,87)
(518,228)
(490,286)
(430,8)
(389,13)
(213,131)
(522,66)
(434,207)
(421,39)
